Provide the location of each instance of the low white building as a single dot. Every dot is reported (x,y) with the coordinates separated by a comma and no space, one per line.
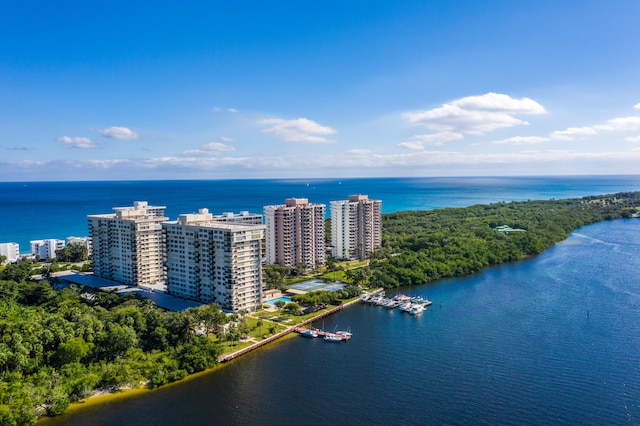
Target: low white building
(80,241)
(11,251)
(46,249)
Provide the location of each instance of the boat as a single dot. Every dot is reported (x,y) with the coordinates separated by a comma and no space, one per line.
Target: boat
(332,337)
(416,309)
(309,333)
(345,334)
(406,307)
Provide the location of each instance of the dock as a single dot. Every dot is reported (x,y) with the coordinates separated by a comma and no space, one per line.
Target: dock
(291,329)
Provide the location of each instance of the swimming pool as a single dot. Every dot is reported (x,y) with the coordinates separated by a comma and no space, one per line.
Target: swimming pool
(272,302)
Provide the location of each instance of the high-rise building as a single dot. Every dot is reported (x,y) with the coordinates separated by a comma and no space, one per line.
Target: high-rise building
(46,249)
(128,244)
(214,261)
(11,251)
(295,233)
(355,227)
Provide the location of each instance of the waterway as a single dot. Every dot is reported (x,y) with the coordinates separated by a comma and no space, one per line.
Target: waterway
(554,339)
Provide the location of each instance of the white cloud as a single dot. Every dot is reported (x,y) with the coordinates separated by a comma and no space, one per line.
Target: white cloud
(624,124)
(637,106)
(357,151)
(476,114)
(232,110)
(620,124)
(210,149)
(411,145)
(298,130)
(522,140)
(119,133)
(634,139)
(79,142)
(419,141)
(572,133)
(216,109)
(226,139)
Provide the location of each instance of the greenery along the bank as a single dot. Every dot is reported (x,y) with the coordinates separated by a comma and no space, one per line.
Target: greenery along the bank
(423,246)
(57,346)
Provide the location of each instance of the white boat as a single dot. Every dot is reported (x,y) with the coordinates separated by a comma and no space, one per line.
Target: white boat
(416,309)
(332,337)
(345,334)
(406,307)
(309,333)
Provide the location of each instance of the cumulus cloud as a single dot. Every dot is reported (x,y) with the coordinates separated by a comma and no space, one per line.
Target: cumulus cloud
(476,114)
(298,130)
(522,140)
(79,142)
(212,148)
(119,133)
(637,106)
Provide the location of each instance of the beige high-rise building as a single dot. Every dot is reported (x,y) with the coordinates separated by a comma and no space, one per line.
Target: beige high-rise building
(356,227)
(215,261)
(128,245)
(295,233)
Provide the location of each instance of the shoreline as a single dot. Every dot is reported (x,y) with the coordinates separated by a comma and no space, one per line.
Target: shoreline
(107,396)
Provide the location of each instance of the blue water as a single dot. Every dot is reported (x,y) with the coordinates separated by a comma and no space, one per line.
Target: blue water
(37,210)
(551,340)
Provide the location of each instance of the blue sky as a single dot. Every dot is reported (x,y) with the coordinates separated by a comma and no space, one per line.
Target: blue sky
(212,89)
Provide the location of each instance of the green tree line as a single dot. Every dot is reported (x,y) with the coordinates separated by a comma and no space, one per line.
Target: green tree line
(424,246)
(58,346)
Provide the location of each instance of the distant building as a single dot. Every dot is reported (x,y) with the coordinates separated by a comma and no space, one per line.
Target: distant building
(80,241)
(214,261)
(46,249)
(295,233)
(128,245)
(11,251)
(242,217)
(356,227)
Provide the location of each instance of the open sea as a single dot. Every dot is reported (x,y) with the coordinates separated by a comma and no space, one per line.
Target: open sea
(554,339)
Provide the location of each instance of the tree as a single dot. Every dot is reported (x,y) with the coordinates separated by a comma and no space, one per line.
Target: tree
(292,308)
(279,304)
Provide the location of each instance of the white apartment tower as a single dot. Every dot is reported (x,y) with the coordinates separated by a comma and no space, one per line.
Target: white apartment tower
(215,261)
(46,249)
(355,227)
(295,233)
(128,244)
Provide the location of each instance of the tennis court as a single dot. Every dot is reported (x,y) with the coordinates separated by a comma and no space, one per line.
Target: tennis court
(317,285)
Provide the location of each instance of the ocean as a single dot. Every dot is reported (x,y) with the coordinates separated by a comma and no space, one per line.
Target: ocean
(40,210)
(553,339)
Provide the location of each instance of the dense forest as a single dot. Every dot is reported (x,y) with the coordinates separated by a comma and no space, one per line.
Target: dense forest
(58,346)
(423,246)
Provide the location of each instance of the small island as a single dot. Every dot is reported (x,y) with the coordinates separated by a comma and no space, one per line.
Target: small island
(61,346)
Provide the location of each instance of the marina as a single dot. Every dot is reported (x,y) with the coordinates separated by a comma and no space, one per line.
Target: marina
(412,305)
